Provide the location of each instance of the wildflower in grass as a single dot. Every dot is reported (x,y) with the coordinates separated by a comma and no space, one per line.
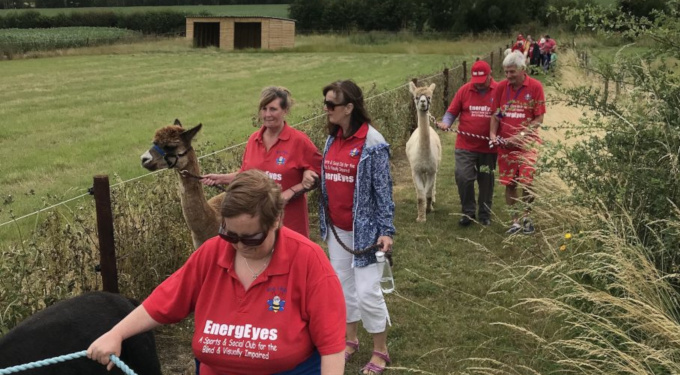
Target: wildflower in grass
(563,247)
(567,236)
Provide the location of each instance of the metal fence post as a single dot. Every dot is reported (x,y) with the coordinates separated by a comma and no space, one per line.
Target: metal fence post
(107,251)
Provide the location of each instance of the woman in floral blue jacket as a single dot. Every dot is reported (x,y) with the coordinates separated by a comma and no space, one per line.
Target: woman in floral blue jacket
(356,188)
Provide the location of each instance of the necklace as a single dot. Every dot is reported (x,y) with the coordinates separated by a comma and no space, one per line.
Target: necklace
(256,274)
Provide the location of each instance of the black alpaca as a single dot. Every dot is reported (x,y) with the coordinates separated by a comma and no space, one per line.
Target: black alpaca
(71,326)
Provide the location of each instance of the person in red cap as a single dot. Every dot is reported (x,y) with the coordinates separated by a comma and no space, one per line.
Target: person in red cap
(475,161)
(519,44)
(518,108)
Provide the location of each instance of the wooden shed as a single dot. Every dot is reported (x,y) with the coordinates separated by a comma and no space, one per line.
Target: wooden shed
(231,33)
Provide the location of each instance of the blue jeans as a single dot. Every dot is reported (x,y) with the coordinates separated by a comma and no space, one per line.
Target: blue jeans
(311,366)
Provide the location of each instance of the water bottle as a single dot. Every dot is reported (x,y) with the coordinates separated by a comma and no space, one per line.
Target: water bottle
(386,278)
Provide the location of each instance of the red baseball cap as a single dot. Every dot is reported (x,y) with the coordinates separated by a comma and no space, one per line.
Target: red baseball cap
(480,70)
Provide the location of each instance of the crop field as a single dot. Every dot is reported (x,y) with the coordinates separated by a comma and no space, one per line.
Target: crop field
(273,10)
(24,40)
(68,118)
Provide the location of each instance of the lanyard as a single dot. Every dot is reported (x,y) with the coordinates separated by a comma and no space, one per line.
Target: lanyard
(507,95)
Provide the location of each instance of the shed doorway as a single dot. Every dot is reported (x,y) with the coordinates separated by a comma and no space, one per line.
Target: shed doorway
(247,35)
(207,34)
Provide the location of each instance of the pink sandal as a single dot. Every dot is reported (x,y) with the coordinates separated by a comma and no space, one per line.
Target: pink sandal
(370,366)
(354,345)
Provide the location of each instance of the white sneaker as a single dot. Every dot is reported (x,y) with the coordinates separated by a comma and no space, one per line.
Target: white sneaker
(514,228)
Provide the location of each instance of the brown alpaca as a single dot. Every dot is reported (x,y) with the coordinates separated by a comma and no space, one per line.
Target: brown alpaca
(172,149)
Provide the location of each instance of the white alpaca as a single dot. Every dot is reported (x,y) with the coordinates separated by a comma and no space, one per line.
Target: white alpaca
(424,151)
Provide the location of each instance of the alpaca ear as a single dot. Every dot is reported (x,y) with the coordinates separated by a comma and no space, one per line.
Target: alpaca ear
(188,135)
(431,88)
(177,123)
(411,87)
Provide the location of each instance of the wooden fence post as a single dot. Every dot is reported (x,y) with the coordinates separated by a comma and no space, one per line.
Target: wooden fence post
(107,251)
(446,88)
(464,71)
(491,60)
(414,115)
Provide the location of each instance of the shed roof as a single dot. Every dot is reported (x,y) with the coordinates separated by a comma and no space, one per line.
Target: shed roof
(267,17)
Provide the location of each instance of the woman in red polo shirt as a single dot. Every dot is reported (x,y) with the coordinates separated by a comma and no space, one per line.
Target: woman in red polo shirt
(285,154)
(357,212)
(265,298)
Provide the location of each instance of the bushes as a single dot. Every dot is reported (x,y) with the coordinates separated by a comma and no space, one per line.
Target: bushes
(629,160)
(151,22)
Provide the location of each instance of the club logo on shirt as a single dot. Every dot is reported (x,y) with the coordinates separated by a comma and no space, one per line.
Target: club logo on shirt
(280,160)
(354,152)
(276,304)
(527,97)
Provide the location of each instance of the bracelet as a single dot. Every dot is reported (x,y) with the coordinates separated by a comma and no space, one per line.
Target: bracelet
(294,192)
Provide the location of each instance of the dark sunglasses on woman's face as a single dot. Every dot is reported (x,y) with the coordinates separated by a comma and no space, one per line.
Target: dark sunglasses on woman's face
(331,106)
(253,240)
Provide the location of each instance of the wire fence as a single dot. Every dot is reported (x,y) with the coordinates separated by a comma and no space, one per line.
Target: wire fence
(59,257)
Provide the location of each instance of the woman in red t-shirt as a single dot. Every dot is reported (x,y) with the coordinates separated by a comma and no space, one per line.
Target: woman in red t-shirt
(285,154)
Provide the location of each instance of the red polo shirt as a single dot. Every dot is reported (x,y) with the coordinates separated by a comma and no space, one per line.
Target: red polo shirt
(473,110)
(517,109)
(294,307)
(285,162)
(340,172)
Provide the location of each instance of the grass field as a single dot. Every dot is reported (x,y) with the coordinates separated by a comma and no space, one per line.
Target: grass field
(272,10)
(68,118)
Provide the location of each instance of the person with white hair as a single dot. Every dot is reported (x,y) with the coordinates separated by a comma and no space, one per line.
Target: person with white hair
(518,108)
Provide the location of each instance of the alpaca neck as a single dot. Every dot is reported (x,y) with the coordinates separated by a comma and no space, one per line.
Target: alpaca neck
(424,129)
(194,204)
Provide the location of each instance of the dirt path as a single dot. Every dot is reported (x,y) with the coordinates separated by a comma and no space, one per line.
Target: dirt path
(558,113)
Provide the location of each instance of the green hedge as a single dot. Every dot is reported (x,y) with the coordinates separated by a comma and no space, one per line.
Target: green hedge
(164,22)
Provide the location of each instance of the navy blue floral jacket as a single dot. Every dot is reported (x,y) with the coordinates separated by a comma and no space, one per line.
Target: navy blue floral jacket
(373,208)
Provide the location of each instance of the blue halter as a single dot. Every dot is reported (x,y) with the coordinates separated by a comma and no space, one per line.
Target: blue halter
(167,156)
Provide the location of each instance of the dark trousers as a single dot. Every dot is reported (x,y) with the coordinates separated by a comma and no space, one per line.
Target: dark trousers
(546,61)
(471,167)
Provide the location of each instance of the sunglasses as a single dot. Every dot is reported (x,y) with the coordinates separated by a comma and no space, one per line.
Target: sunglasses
(331,106)
(253,240)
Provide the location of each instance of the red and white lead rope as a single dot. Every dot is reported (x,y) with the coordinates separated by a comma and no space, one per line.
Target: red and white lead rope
(498,142)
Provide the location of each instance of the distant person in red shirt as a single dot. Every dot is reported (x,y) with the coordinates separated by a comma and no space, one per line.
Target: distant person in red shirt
(475,160)
(519,44)
(547,50)
(285,154)
(265,299)
(518,109)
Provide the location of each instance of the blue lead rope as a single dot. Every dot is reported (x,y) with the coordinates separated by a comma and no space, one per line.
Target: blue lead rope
(63,358)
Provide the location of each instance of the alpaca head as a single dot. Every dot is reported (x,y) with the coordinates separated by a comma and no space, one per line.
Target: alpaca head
(422,96)
(171,145)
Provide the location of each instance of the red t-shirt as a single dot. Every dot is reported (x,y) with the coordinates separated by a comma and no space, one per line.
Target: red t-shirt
(518,108)
(548,46)
(285,162)
(518,46)
(340,172)
(473,110)
(294,307)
